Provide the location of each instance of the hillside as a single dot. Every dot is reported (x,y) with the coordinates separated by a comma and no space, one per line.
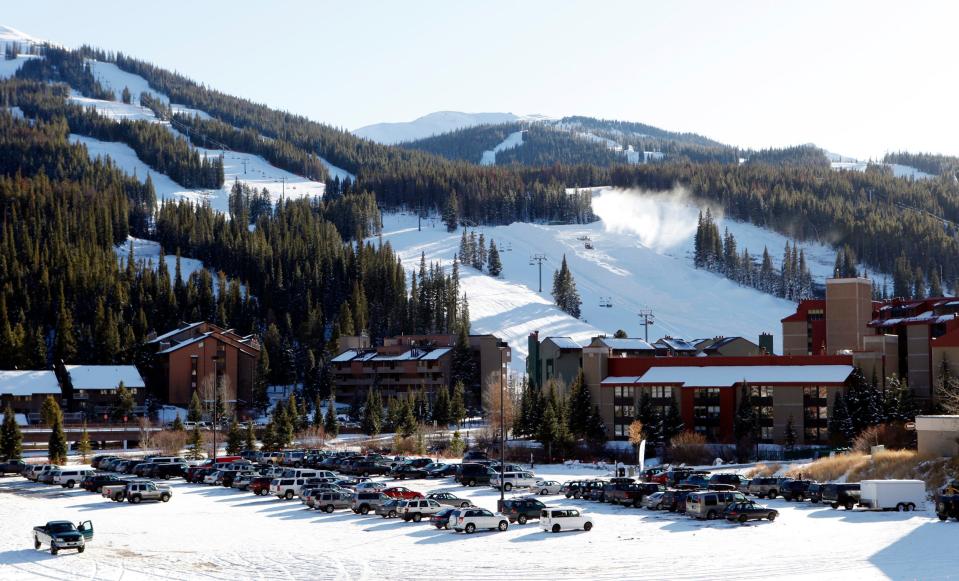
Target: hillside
(434,124)
(642,257)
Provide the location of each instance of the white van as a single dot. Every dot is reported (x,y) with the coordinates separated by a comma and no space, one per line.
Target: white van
(567,518)
(70,478)
(511,480)
(901,495)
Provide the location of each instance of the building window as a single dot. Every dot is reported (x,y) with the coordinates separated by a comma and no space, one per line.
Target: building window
(815,414)
(624,412)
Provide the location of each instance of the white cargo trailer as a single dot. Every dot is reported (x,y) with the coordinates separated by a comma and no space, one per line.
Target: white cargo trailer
(901,495)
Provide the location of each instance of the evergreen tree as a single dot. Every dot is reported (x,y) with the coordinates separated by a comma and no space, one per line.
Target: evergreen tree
(550,431)
(898,404)
(234,439)
(457,404)
(494,264)
(441,407)
(65,343)
(260,379)
(57,445)
(269,436)
(790,437)
(372,414)
(195,443)
(864,402)
(195,411)
(596,428)
(746,424)
(672,422)
(580,407)
(564,290)
(451,213)
(177,424)
(919,284)
(11,439)
(331,424)
(650,417)
(841,429)
(123,404)
(935,284)
(457,445)
(249,438)
(126,96)
(83,445)
(407,420)
(463,367)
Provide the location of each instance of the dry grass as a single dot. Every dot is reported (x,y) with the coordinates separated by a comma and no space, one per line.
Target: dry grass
(826,469)
(857,466)
(761,470)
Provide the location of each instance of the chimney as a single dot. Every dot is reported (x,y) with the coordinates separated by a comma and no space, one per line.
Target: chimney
(766,343)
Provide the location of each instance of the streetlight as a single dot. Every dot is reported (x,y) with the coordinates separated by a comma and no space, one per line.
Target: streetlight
(502,444)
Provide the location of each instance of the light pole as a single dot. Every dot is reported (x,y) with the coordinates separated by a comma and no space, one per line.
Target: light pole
(538,258)
(502,444)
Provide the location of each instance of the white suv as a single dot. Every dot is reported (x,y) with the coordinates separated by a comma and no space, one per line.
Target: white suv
(568,518)
(286,488)
(511,480)
(414,510)
(470,519)
(70,478)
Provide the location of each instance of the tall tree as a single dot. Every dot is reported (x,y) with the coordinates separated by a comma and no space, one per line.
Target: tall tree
(457,404)
(84,447)
(451,213)
(580,407)
(494,264)
(441,407)
(195,411)
(57,444)
(331,424)
(372,413)
(564,290)
(234,439)
(11,439)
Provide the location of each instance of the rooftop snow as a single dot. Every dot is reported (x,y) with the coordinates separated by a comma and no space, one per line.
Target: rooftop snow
(84,377)
(435,354)
(344,356)
(564,342)
(21,383)
(676,344)
(173,348)
(728,376)
(627,344)
(174,332)
(617,380)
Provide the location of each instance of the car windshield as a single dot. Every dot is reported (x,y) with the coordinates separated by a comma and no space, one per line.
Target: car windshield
(62,527)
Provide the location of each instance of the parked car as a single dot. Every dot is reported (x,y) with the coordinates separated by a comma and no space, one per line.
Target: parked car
(404,471)
(469,520)
(631,494)
(554,519)
(401,492)
(137,492)
(815,492)
(698,480)
(472,455)
(545,487)
(901,495)
(63,534)
(286,488)
(710,505)
(671,477)
(737,481)
(330,501)
(96,460)
(260,485)
(762,487)
(370,486)
(577,488)
(747,510)
(46,476)
(11,467)
(947,506)
(388,509)
(365,501)
(472,474)
(96,481)
(796,489)
(522,509)
(168,471)
(367,468)
(448,499)
(441,519)
(654,501)
(415,510)
(675,500)
(68,478)
(511,480)
(845,495)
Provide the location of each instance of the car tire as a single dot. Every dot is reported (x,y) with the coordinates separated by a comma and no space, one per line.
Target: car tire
(711,515)
(391,514)
(743,518)
(771,517)
(446,527)
(366,475)
(503,525)
(71,484)
(544,492)
(849,505)
(508,486)
(471,483)
(165,497)
(470,528)
(364,510)
(417,517)
(787,498)
(637,503)
(135,499)
(587,526)
(288,495)
(464,505)
(910,507)
(81,549)
(36,542)
(521,519)
(54,551)
(834,505)
(329,508)
(556,528)
(900,507)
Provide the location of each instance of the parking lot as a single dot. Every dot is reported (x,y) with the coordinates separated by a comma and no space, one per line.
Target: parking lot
(208,532)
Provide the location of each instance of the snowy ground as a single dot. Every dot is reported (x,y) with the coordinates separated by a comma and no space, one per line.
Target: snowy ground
(512,140)
(898,170)
(641,257)
(218,533)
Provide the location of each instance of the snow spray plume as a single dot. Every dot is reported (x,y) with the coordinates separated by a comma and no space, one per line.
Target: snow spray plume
(661,220)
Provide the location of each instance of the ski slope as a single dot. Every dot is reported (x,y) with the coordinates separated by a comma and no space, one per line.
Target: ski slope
(435,124)
(898,170)
(641,257)
(512,140)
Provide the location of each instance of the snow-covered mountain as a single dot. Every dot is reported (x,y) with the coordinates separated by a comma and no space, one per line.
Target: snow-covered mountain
(641,256)
(435,124)
(12,35)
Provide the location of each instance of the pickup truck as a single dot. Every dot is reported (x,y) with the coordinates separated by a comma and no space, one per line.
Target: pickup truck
(136,492)
(631,494)
(11,467)
(63,534)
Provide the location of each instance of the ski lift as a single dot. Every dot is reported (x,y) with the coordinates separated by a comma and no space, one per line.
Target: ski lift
(589,245)
(509,247)
(606,302)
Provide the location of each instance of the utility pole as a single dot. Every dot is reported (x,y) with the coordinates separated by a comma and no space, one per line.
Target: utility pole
(502,443)
(538,258)
(646,314)
(244,162)
(283,179)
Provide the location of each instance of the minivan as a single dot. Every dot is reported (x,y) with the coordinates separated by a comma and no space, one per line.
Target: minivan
(711,504)
(511,480)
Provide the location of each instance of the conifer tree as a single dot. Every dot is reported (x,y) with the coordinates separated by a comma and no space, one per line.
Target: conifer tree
(746,424)
(564,290)
(549,431)
(457,404)
(65,342)
(83,445)
(177,424)
(249,440)
(124,404)
(195,411)
(494,264)
(441,407)
(234,439)
(261,377)
(595,427)
(790,436)
(451,213)
(372,413)
(672,422)
(11,438)
(580,407)
(407,425)
(457,445)
(841,429)
(331,424)
(195,443)
(269,436)
(57,445)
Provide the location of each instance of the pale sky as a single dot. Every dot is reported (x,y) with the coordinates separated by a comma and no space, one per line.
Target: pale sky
(857,78)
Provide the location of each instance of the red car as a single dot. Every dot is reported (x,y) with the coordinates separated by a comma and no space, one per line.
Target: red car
(401,492)
(260,485)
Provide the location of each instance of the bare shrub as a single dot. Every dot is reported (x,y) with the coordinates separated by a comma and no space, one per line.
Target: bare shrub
(893,436)
(826,469)
(312,437)
(689,448)
(761,470)
(170,442)
(888,464)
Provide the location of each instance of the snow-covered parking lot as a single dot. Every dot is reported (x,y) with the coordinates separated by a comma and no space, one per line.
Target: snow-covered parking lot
(219,533)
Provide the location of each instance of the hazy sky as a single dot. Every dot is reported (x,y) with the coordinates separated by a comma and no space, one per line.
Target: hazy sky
(855,78)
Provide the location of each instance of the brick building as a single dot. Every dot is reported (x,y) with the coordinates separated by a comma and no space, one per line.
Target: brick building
(199,356)
(92,389)
(26,390)
(907,338)
(412,362)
